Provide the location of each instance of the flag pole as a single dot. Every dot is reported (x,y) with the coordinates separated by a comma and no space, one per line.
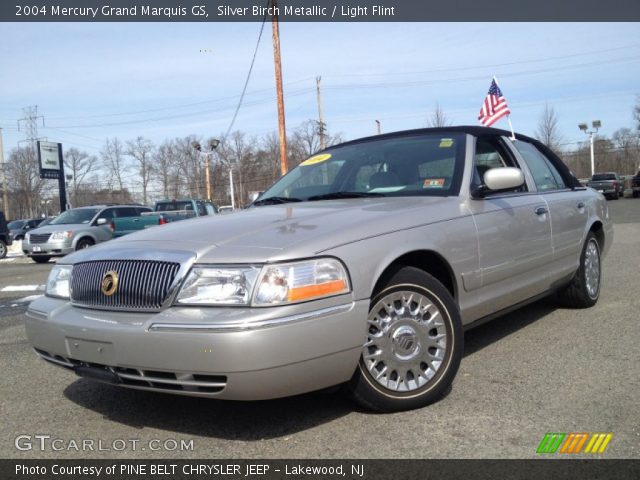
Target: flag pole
(513,135)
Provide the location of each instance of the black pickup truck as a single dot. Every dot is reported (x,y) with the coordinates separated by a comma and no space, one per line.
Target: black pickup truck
(635,184)
(607,183)
(5,238)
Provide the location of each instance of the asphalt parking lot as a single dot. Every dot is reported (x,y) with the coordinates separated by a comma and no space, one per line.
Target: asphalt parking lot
(539,369)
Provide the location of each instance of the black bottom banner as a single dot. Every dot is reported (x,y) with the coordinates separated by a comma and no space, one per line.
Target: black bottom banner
(319,469)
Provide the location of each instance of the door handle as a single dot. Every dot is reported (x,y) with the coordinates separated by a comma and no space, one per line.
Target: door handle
(540,210)
(580,205)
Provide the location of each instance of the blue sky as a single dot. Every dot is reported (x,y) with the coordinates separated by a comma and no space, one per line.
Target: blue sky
(93,81)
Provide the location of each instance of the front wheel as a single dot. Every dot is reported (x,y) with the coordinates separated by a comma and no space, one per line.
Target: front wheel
(84,243)
(41,258)
(584,289)
(3,249)
(414,344)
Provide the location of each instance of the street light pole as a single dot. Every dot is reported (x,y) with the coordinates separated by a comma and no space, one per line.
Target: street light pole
(233,201)
(596,124)
(207,175)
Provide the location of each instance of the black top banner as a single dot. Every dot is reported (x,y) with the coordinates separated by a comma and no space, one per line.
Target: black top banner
(320,10)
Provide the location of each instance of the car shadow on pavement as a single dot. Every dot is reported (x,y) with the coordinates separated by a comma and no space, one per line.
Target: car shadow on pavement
(231,420)
(494,330)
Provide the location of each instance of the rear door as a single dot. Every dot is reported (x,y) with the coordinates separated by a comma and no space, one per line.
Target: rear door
(568,207)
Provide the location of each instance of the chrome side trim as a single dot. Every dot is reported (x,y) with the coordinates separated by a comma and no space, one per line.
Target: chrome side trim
(249,325)
(36,314)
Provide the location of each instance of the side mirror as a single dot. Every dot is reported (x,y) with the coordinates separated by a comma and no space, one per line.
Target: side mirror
(101,221)
(506,178)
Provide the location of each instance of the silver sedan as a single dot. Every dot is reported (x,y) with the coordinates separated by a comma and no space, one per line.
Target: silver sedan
(359,267)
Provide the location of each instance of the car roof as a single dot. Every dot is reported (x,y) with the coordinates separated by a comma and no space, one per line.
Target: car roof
(470,129)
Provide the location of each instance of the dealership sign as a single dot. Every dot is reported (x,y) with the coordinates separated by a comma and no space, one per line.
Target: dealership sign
(50,159)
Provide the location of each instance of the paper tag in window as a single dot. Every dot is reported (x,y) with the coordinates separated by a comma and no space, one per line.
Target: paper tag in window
(433,183)
(323,157)
(446,142)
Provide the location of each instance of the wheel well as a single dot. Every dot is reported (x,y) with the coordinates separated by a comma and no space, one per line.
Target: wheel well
(598,231)
(86,237)
(427,261)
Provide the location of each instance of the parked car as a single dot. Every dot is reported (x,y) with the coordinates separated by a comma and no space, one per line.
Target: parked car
(225,209)
(164,211)
(608,184)
(121,226)
(635,184)
(5,237)
(18,228)
(360,267)
(73,230)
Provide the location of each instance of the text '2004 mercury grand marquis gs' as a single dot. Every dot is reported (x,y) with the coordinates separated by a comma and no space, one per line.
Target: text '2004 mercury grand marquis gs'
(360,267)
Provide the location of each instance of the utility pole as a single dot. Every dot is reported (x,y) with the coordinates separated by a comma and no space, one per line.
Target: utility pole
(282,132)
(321,127)
(378,131)
(596,124)
(3,167)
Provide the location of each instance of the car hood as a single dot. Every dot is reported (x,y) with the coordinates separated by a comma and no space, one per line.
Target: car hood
(59,228)
(275,232)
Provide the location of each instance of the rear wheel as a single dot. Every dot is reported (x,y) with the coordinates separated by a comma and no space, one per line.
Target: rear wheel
(584,289)
(84,243)
(414,344)
(3,249)
(41,258)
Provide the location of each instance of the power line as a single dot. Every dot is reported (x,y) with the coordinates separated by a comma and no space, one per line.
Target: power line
(246,82)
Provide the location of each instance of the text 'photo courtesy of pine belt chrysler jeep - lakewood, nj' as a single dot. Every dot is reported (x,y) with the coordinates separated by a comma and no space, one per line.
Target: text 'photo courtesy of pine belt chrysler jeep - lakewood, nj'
(361,267)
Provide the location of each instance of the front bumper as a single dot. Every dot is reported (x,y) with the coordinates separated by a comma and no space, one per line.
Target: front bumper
(52,249)
(227,353)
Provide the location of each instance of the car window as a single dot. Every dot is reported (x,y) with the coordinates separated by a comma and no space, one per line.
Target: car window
(15,225)
(201,210)
(75,216)
(126,212)
(420,164)
(108,214)
(491,154)
(141,210)
(604,176)
(545,175)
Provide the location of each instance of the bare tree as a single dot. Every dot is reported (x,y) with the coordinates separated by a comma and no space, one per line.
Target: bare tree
(636,112)
(23,175)
(141,150)
(548,131)
(438,118)
(113,156)
(305,141)
(79,164)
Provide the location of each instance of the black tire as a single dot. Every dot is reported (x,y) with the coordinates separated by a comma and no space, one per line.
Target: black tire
(371,393)
(635,194)
(577,294)
(3,249)
(41,258)
(84,243)
(19,237)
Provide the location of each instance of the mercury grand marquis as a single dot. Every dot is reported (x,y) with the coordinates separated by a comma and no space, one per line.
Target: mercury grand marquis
(361,267)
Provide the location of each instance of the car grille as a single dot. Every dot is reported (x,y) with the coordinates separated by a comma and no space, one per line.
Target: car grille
(142,284)
(189,383)
(39,237)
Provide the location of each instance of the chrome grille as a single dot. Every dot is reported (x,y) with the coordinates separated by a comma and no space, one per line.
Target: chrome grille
(142,284)
(39,237)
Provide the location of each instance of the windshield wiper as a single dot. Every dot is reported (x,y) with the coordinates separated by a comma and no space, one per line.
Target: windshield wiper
(276,200)
(338,195)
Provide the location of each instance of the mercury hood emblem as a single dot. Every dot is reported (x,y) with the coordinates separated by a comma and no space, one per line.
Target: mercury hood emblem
(109,283)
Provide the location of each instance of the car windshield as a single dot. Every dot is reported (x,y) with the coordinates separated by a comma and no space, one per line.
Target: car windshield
(604,176)
(78,215)
(425,165)
(16,224)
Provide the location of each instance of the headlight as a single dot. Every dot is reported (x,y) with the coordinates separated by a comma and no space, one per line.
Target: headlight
(61,235)
(58,281)
(218,286)
(300,281)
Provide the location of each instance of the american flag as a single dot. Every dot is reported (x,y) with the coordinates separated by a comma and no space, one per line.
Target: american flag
(494,106)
